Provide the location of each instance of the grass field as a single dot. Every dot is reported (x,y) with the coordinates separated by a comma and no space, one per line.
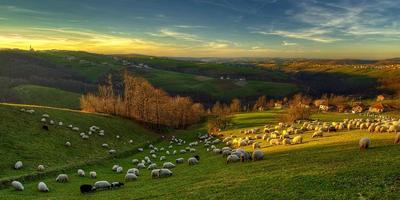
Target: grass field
(46,96)
(331,167)
(22,138)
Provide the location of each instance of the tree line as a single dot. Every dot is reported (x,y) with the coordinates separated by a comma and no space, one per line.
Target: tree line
(143,103)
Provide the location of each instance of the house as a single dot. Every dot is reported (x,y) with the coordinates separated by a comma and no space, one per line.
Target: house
(319,102)
(324,107)
(377,108)
(343,108)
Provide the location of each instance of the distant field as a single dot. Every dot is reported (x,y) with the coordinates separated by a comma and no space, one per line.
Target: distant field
(46,96)
(331,167)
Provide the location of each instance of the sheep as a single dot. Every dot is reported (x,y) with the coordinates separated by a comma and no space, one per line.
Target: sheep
(317,134)
(114,167)
(192,150)
(397,139)
(140,149)
(168,165)
(297,140)
(130,177)
(85,188)
(182,151)
(18,165)
(364,143)
(42,187)
(119,169)
(60,123)
(245,156)
(165,172)
(52,122)
(117,184)
(286,141)
(179,160)
(41,168)
(258,155)
(232,158)
(105,146)
(155,173)
(152,166)
(112,151)
(67,144)
(193,161)
(141,165)
(226,153)
(135,161)
(274,142)
(62,178)
(45,115)
(93,174)
(102,185)
(17,185)
(256,145)
(162,158)
(133,171)
(217,151)
(81,172)
(75,129)
(43,120)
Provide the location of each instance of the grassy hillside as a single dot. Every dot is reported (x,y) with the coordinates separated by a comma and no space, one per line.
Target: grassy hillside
(46,96)
(22,138)
(331,167)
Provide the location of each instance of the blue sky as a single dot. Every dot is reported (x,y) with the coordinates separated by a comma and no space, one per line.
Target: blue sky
(206,28)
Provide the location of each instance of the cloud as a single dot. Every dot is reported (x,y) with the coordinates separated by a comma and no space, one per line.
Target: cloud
(177,35)
(189,26)
(216,45)
(316,35)
(284,43)
(16,9)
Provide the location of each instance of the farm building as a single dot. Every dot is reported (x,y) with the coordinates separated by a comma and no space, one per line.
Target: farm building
(358,108)
(377,108)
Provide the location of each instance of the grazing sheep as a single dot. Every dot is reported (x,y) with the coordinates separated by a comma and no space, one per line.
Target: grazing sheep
(81,172)
(130,177)
(45,115)
(133,171)
(317,134)
(75,129)
(217,151)
(112,151)
(43,120)
(119,169)
(226,153)
(141,166)
(85,188)
(165,173)
(364,143)
(130,141)
(286,141)
(152,166)
(155,173)
(102,185)
(179,160)
(17,185)
(93,174)
(274,142)
(168,165)
(397,139)
(117,184)
(297,140)
(182,151)
(135,161)
(42,187)
(18,165)
(193,161)
(41,168)
(256,145)
(105,145)
(60,123)
(114,167)
(162,158)
(62,178)
(140,149)
(232,158)
(67,144)
(258,155)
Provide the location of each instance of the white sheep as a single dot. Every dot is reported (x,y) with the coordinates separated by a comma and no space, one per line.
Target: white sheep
(75,129)
(141,165)
(119,169)
(67,144)
(105,146)
(152,166)
(41,168)
(130,141)
(135,161)
(258,155)
(18,165)
(286,141)
(298,139)
(42,187)
(62,178)
(17,185)
(193,161)
(317,134)
(133,171)
(81,172)
(140,149)
(112,151)
(179,160)
(60,123)
(168,165)
(256,145)
(364,143)
(155,173)
(46,115)
(162,158)
(232,158)
(165,172)
(114,167)
(217,151)
(93,174)
(130,177)
(397,139)
(182,151)
(102,185)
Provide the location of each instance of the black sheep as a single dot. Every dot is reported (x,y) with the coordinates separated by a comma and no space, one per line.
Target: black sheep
(197,157)
(116,184)
(85,188)
(45,127)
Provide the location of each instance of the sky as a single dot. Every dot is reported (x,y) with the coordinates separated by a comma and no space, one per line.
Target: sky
(366,29)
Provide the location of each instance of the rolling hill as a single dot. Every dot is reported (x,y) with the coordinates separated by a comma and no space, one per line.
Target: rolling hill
(331,167)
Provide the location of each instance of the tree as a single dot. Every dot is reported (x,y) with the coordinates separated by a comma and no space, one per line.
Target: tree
(235,106)
(261,104)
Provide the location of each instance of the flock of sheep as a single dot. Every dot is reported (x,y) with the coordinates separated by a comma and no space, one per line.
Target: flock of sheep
(229,147)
